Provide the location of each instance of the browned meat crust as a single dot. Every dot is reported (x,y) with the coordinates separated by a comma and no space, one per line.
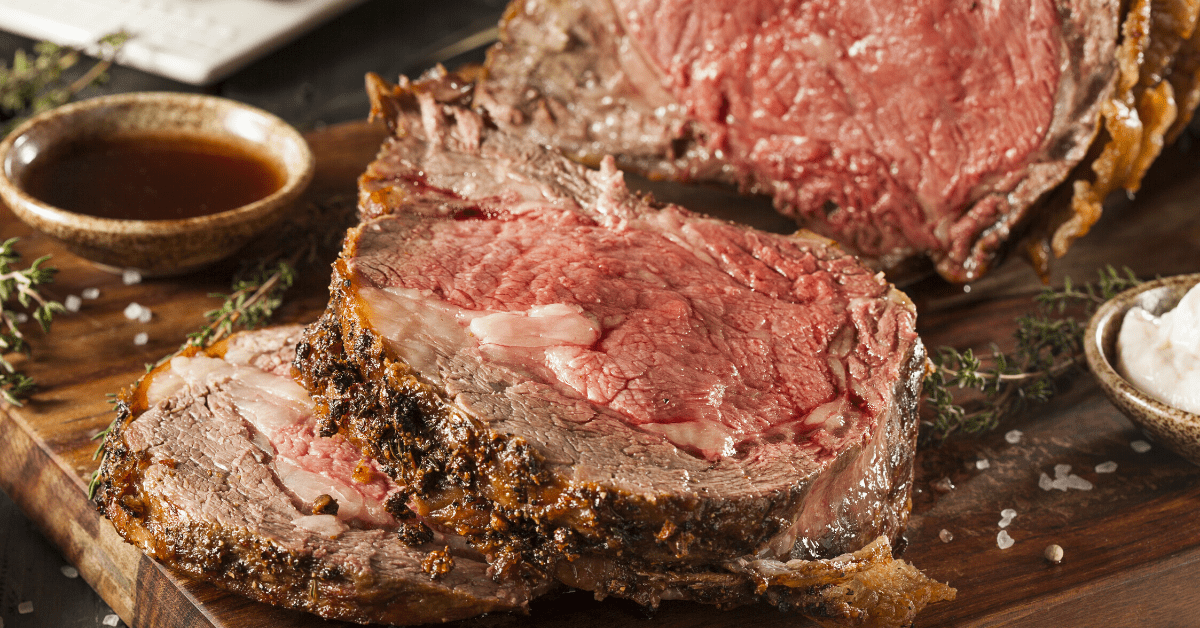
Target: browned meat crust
(233,526)
(536,512)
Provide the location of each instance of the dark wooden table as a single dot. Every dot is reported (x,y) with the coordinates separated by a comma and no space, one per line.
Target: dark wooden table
(314,81)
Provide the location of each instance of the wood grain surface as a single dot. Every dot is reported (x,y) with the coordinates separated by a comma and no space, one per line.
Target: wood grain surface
(1132,546)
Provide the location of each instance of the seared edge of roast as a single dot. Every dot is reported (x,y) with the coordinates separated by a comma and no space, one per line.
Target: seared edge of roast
(229,521)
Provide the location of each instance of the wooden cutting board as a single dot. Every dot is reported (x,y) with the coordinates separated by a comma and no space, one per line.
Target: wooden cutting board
(1132,543)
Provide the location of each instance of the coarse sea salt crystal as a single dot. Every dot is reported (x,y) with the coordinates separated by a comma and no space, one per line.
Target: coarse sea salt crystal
(139,313)
(72,303)
(982,464)
(69,571)
(1106,467)
(25,607)
(22,318)
(945,535)
(1140,446)
(1003,540)
(1063,480)
(90,293)
(1006,517)
(130,277)
(141,339)
(1012,437)
(110,619)
(1076,482)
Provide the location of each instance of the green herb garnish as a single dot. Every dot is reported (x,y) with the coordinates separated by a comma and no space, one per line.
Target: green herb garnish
(998,385)
(34,83)
(21,288)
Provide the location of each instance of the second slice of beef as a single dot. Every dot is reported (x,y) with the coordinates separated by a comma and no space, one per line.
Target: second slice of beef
(626,397)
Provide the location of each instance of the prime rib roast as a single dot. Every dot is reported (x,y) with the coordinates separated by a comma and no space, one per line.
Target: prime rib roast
(214,468)
(903,130)
(623,396)
(528,376)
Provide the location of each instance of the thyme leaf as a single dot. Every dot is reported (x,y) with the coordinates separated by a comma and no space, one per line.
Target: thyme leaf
(970,394)
(35,83)
(20,299)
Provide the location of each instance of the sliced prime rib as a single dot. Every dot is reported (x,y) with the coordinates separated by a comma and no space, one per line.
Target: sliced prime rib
(631,398)
(214,469)
(900,129)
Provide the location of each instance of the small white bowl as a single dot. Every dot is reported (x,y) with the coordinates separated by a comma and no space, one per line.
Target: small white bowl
(1177,429)
(155,247)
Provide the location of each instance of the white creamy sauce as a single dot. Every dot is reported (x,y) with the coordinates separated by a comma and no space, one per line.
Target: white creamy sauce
(1160,355)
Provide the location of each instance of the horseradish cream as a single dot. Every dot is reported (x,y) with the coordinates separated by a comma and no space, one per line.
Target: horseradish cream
(1160,355)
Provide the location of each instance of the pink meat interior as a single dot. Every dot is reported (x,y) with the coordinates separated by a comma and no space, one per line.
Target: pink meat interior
(890,117)
(714,336)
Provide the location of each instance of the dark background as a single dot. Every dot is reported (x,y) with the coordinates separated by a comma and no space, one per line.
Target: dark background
(314,81)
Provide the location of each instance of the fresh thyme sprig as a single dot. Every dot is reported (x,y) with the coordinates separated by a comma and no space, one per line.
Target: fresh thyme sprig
(255,297)
(21,287)
(35,83)
(1049,346)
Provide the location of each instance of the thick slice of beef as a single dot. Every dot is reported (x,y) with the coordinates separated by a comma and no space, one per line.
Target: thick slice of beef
(214,469)
(900,129)
(636,400)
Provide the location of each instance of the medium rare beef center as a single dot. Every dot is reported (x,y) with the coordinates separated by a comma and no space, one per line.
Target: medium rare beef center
(885,119)
(710,335)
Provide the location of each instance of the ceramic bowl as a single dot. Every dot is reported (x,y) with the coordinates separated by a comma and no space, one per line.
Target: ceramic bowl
(1177,429)
(155,247)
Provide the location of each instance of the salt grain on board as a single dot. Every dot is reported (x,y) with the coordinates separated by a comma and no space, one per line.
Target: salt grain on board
(22,318)
(1106,467)
(982,464)
(1063,480)
(141,339)
(130,277)
(25,607)
(1006,517)
(1012,437)
(1076,482)
(139,313)
(72,303)
(1140,446)
(110,619)
(945,535)
(1003,540)
(90,293)
(69,571)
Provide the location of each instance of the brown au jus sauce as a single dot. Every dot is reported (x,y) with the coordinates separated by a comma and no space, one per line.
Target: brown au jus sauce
(151,177)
